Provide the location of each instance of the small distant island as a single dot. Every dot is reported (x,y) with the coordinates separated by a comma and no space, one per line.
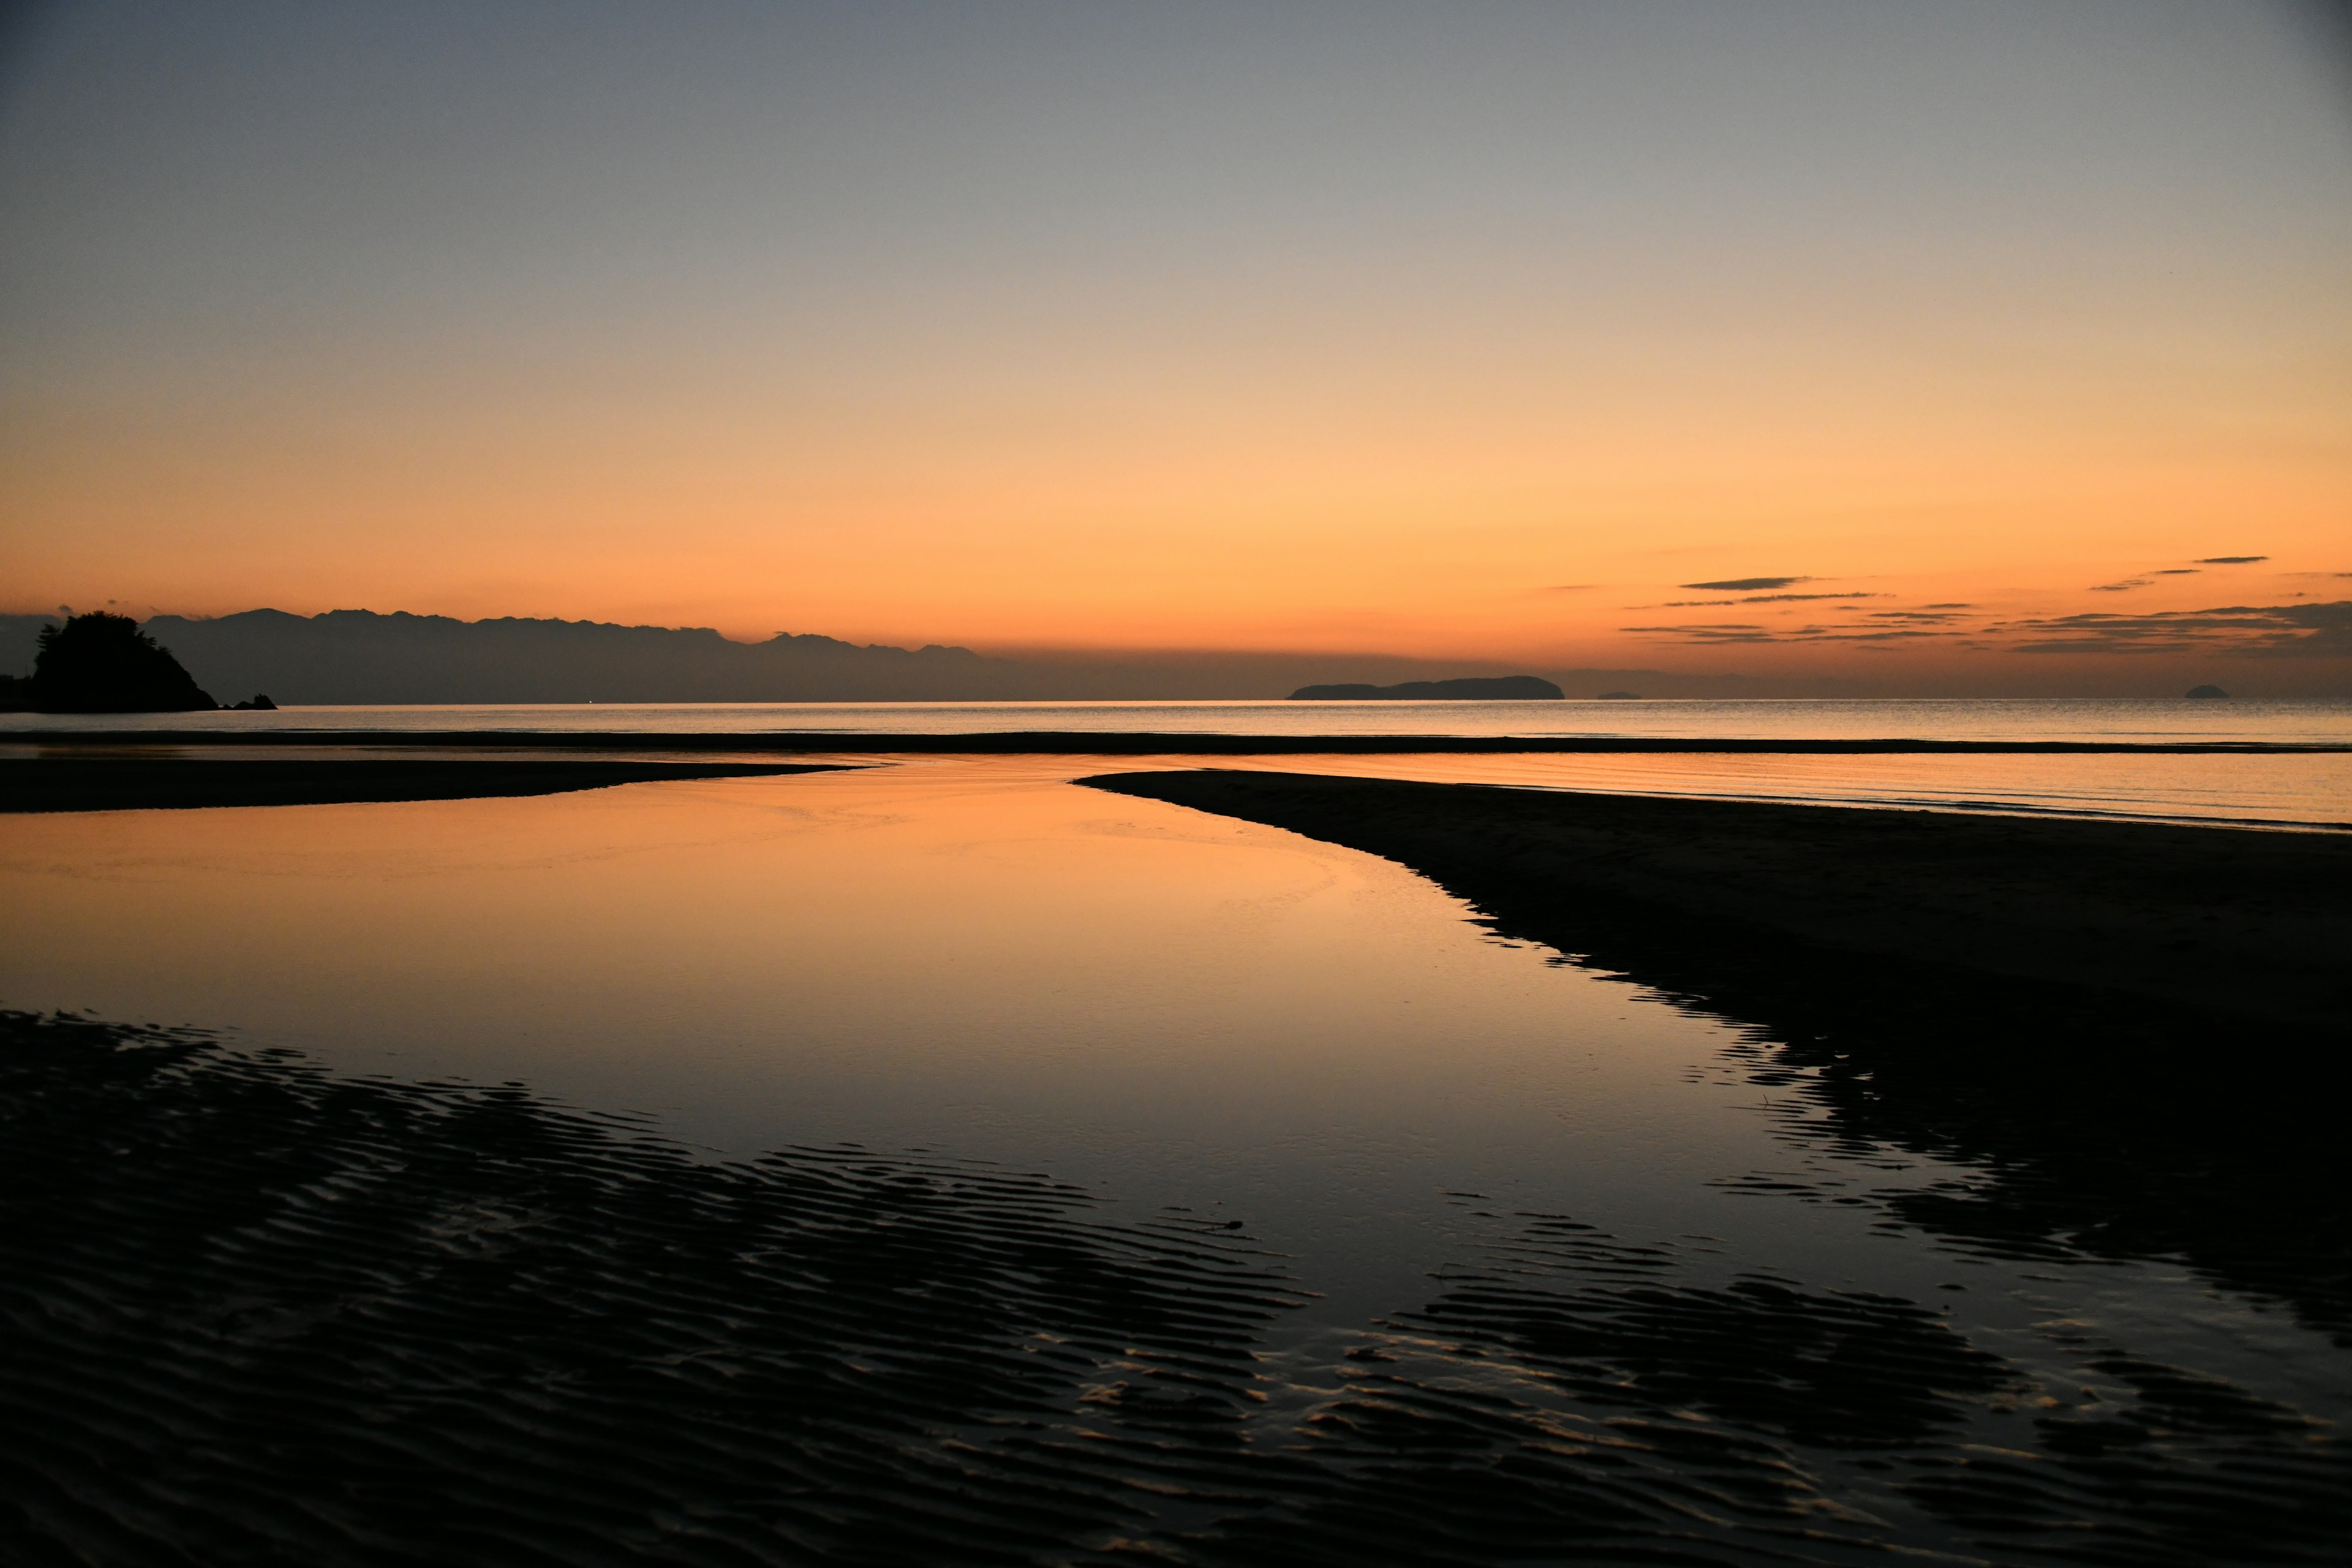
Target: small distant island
(1470,689)
(2207,691)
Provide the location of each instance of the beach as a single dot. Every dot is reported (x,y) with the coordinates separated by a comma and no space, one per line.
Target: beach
(940,1161)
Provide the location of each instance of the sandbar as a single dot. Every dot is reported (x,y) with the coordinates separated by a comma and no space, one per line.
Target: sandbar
(149,782)
(1785,906)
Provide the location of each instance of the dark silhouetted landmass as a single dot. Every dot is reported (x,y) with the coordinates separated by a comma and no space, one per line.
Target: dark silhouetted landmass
(2207,691)
(1470,689)
(359,657)
(102,663)
(149,782)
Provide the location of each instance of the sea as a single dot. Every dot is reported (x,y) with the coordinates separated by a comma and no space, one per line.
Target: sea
(939,1159)
(2303,782)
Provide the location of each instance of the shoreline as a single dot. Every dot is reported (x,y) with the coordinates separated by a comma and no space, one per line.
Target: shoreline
(1113,743)
(1777,913)
(2134,1035)
(50,784)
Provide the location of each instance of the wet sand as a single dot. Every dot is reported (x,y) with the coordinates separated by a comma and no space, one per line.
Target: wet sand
(2230,923)
(146,784)
(264,1313)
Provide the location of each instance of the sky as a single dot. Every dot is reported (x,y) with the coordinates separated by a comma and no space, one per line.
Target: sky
(1973,344)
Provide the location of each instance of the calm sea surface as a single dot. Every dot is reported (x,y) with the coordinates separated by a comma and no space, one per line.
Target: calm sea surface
(2297,722)
(2282,790)
(1514,1207)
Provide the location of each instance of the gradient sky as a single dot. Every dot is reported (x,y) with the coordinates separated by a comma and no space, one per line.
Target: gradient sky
(1457,329)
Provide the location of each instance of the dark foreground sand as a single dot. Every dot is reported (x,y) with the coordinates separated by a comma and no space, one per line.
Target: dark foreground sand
(2237,924)
(260,1313)
(132,783)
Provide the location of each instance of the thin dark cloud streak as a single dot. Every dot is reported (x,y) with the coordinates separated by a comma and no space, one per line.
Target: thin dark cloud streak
(2300,631)
(1719,632)
(1744,585)
(2255,630)
(1760,599)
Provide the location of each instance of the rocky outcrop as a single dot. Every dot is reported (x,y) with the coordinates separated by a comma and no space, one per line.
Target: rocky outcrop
(102,663)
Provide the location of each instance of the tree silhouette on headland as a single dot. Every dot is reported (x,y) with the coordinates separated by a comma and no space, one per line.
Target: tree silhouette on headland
(102,663)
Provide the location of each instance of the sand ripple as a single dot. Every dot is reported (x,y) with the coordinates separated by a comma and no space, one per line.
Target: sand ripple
(259,1312)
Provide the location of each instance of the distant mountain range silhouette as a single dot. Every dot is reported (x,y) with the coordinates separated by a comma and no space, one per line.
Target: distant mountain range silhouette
(362,656)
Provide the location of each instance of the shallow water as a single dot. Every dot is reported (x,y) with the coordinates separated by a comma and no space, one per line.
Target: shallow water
(2266,722)
(1537,1263)
(2275,789)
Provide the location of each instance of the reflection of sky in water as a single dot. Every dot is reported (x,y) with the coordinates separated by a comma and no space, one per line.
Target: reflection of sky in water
(2285,789)
(976,959)
(2297,721)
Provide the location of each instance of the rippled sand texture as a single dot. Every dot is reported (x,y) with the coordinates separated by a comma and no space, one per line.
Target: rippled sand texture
(261,1312)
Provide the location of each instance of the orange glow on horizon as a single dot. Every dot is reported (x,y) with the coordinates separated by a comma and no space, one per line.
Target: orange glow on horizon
(1487,379)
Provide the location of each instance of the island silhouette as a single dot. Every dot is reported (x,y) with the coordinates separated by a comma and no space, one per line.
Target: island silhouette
(1470,689)
(103,663)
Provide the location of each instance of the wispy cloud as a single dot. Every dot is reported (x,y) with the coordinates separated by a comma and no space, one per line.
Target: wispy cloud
(2299,630)
(2303,630)
(2229,560)
(1760,599)
(1744,585)
(1714,632)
